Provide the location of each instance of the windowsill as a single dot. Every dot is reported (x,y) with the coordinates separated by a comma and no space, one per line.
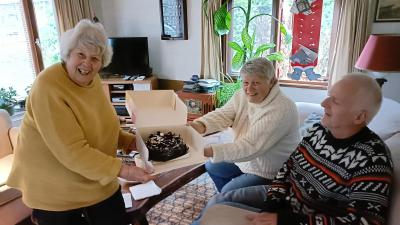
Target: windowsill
(318,86)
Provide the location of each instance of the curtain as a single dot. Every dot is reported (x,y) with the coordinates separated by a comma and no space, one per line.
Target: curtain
(70,12)
(353,28)
(211,47)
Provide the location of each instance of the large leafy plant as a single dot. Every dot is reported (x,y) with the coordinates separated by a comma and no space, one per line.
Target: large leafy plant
(244,50)
(247,48)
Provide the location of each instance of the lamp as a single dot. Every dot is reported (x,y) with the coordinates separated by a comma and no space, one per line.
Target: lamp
(381,53)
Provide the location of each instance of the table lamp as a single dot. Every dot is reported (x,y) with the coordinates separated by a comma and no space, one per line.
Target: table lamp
(381,53)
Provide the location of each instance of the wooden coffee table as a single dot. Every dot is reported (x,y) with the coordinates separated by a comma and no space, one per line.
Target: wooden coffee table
(169,182)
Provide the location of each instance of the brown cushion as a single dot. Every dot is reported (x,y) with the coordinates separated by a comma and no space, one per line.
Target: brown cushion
(5,168)
(5,124)
(224,214)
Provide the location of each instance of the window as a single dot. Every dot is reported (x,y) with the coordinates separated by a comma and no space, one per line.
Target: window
(288,70)
(261,25)
(20,59)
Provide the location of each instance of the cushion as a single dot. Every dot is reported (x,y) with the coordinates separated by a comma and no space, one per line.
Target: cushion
(5,124)
(394,145)
(220,214)
(387,121)
(5,168)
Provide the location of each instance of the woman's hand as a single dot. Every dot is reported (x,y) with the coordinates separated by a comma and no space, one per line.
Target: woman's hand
(134,173)
(262,218)
(198,126)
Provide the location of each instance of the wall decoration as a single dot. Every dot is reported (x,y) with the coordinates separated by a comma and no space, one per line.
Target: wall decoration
(173,20)
(305,43)
(387,11)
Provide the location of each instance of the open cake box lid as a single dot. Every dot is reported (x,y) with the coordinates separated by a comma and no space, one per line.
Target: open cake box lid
(162,110)
(156,107)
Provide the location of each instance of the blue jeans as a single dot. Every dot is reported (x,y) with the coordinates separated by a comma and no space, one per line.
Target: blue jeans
(228,176)
(252,198)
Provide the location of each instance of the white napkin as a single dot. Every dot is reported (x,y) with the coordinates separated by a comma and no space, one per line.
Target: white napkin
(127,199)
(142,191)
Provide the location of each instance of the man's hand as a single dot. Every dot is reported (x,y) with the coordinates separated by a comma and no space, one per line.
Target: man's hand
(262,218)
(198,126)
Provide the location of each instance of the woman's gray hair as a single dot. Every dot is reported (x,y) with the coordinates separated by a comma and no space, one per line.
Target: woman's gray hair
(259,66)
(87,34)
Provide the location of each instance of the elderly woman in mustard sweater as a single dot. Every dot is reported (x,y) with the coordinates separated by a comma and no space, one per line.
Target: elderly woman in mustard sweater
(65,163)
(265,126)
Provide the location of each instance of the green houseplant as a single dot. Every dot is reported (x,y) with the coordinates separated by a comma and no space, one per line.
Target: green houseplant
(8,99)
(245,49)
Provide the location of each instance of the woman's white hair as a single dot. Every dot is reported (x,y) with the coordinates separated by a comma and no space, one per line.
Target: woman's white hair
(259,66)
(87,34)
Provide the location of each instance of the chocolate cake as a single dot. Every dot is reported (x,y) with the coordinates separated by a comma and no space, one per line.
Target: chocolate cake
(165,146)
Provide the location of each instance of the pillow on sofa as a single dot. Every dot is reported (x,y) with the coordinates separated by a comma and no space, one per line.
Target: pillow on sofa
(387,121)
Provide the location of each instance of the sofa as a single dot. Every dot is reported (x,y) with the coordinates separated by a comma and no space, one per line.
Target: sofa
(12,210)
(386,124)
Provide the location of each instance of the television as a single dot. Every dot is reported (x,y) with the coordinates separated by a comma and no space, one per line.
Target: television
(130,58)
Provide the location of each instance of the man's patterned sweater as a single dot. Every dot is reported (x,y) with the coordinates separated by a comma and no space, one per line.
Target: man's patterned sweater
(333,181)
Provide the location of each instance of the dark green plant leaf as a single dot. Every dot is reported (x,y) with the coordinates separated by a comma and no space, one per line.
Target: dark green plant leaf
(221,26)
(246,39)
(237,60)
(235,46)
(276,56)
(262,48)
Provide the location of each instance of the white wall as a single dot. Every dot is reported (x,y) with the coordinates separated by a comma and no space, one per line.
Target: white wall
(175,60)
(178,60)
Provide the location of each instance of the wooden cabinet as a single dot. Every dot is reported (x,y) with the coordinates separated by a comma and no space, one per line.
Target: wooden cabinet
(115,90)
(198,104)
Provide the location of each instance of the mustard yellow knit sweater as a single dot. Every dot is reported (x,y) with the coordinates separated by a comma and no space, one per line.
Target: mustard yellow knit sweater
(65,157)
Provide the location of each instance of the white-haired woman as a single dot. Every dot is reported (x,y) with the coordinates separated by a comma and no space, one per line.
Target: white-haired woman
(65,162)
(265,126)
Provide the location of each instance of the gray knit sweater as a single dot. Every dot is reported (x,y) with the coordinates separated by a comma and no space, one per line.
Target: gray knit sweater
(265,134)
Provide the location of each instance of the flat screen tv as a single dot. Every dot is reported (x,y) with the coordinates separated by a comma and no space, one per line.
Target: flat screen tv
(130,58)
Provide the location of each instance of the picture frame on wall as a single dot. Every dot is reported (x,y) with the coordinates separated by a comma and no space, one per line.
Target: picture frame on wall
(173,20)
(387,11)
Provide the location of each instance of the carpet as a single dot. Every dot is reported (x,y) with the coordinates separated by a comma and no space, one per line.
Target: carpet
(184,205)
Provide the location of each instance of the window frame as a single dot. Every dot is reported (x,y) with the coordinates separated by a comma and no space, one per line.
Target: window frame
(276,37)
(33,35)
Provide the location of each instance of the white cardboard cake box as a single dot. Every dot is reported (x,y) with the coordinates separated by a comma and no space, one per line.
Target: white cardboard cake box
(163,110)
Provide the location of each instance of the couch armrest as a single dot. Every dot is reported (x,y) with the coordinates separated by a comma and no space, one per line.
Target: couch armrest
(13,134)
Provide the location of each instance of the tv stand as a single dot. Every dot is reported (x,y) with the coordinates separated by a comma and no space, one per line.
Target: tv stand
(115,87)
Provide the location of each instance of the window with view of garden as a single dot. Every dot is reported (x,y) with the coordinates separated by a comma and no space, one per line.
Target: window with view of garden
(292,70)
(16,58)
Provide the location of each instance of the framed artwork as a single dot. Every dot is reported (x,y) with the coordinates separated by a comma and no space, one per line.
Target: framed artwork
(173,20)
(194,106)
(387,11)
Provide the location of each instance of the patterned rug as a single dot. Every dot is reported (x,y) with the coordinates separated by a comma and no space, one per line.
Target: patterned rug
(184,205)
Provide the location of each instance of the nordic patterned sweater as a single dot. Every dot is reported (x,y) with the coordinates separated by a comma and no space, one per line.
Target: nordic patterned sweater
(333,181)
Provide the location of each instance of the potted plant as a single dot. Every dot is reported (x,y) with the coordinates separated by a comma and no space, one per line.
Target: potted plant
(246,49)
(8,99)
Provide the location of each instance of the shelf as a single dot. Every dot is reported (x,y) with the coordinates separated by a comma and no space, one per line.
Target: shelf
(117,103)
(115,87)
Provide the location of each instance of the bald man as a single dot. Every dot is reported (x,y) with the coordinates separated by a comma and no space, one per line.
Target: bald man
(340,173)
